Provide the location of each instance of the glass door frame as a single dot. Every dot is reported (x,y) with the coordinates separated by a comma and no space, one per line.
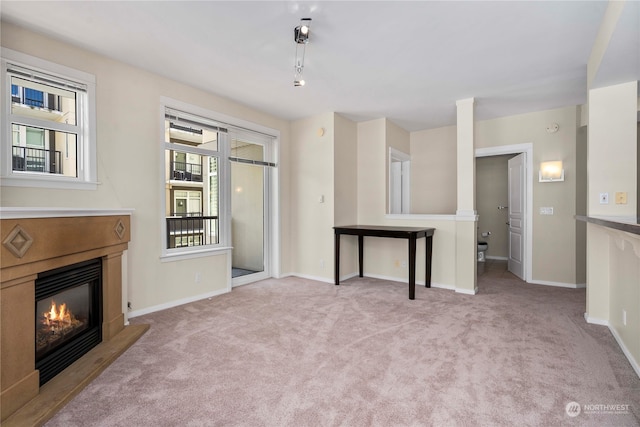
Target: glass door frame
(268,214)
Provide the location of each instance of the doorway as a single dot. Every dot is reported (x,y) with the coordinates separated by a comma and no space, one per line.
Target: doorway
(519,257)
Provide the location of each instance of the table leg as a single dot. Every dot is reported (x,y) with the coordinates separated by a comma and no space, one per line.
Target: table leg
(337,260)
(361,255)
(412,267)
(427,270)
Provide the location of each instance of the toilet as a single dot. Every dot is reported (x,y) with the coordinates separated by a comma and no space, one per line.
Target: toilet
(482,248)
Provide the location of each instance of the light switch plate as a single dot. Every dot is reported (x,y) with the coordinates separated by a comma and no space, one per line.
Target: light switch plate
(621,197)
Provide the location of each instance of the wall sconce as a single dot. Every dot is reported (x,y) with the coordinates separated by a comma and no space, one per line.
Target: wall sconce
(551,171)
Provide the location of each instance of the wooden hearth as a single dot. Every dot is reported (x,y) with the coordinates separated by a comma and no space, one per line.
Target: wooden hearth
(31,245)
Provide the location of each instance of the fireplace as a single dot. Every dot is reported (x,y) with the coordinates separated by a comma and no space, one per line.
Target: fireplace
(61,282)
(68,315)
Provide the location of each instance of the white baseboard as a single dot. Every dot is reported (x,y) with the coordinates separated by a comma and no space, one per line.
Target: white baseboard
(595,320)
(625,350)
(160,307)
(558,284)
(310,277)
(497,258)
(418,282)
(467,291)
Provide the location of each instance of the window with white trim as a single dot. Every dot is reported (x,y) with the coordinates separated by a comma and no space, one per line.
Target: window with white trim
(195,175)
(48,118)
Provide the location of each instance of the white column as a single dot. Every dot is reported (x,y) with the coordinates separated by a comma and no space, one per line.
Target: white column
(466,158)
(466,223)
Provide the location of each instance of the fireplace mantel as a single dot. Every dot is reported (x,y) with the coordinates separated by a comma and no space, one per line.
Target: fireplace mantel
(35,240)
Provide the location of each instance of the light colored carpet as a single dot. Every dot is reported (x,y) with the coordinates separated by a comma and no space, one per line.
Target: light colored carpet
(295,352)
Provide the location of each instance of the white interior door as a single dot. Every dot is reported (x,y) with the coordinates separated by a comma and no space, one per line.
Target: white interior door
(517,218)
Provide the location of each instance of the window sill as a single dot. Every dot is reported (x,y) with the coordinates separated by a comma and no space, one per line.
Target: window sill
(37,182)
(179,256)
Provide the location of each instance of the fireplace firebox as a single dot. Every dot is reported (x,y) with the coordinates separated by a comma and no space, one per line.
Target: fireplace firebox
(68,315)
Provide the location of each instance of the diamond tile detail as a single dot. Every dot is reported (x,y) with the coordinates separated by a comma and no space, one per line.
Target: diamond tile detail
(18,241)
(120,229)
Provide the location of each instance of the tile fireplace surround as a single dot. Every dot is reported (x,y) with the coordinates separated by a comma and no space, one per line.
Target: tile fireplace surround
(34,241)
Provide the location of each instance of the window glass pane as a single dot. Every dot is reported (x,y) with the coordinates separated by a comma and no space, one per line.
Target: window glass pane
(44,151)
(246,150)
(189,183)
(42,101)
(179,132)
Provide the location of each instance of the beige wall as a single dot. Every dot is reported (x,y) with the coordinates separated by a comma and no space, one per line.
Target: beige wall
(433,158)
(346,190)
(372,173)
(433,171)
(613,131)
(312,177)
(554,236)
(128,130)
(492,191)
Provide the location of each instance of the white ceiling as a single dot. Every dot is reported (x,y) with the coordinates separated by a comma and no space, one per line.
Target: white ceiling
(408,61)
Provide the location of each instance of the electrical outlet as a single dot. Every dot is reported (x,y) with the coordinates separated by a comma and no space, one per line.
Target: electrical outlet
(546,211)
(197,277)
(604,198)
(404,264)
(624,317)
(321,264)
(621,197)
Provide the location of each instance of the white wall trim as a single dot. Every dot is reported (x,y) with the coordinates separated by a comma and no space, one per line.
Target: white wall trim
(614,332)
(422,217)
(316,278)
(526,148)
(625,350)
(558,284)
(467,291)
(372,276)
(17,213)
(595,320)
(176,303)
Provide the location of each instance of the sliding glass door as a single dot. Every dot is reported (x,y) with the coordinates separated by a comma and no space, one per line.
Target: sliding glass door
(249,207)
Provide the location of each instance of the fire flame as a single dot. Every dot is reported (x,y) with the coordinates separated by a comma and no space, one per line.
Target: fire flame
(58,314)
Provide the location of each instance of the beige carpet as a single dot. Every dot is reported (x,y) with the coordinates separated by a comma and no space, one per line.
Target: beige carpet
(295,352)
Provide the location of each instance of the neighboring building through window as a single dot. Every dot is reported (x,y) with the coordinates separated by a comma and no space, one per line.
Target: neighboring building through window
(194,149)
(49,124)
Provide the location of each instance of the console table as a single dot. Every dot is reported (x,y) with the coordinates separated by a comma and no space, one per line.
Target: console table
(412,234)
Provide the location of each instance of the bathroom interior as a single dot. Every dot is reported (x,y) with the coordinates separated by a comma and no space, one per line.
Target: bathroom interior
(492,205)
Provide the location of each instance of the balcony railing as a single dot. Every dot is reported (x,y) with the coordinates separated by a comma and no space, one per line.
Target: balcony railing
(182,171)
(36,160)
(191,230)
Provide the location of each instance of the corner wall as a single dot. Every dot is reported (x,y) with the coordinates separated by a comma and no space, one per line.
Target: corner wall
(129,146)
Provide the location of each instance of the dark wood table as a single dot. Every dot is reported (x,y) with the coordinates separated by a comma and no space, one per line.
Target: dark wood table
(412,234)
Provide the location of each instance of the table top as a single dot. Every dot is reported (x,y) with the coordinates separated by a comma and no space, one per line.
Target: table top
(382,229)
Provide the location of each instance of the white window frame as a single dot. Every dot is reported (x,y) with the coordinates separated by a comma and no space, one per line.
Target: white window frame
(224,178)
(225,190)
(86,129)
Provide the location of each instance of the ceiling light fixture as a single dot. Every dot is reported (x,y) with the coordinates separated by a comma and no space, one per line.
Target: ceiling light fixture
(301,35)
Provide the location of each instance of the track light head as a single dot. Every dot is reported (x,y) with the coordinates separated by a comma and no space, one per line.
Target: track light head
(301,32)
